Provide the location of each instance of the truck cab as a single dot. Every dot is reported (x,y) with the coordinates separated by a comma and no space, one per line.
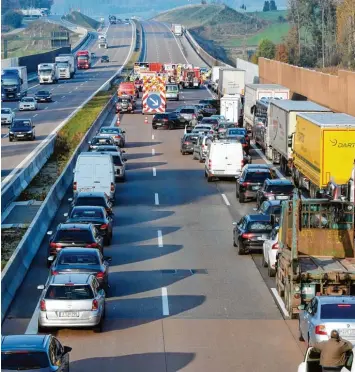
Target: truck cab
(47,73)
(83,59)
(14,83)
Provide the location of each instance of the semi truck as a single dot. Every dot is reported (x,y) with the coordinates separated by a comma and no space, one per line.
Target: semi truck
(66,65)
(231,107)
(255,92)
(14,83)
(177,29)
(231,81)
(282,124)
(322,150)
(112,19)
(215,78)
(47,73)
(83,60)
(316,251)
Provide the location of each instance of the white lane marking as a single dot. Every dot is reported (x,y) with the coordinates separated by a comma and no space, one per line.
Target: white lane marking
(153,152)
(156,198)
(165,302)
(34,115)
(45,108)
(280,302)
(154,172)
(63,96)
(76,88)
(226,200)
(5,135)
(81,84)
(160,239)
(32,328)
(113,122)
(52,89)
(70,92)
(177,43)
(152,136)
(266,160)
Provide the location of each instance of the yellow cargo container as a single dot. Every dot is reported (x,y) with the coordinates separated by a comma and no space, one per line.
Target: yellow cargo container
(323,148)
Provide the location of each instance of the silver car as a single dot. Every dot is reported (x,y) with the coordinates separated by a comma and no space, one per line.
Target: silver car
(117,134)
(28,103)
(71,300)
(201,147)
(7,116)
(325,313)
(119,164)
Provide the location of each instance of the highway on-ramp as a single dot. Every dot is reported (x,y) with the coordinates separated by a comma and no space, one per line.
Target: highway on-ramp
(67,96)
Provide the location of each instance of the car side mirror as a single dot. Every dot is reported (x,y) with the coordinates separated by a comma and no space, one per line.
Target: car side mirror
(70,199)
(123,131)
(49,232)
(108,259)
(310,311)
(66,214)
(235,223)
(50,258)
(124,159)
(67,349)
(33,126)
(301,307)
(40,287)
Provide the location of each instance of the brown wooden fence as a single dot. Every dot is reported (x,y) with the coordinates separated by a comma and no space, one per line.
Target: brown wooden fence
(335,92)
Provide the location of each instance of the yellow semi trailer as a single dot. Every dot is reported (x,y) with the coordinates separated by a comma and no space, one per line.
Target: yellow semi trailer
(323,148)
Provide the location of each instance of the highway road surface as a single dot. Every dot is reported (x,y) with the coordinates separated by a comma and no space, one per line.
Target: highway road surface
(180,297)
(67,96)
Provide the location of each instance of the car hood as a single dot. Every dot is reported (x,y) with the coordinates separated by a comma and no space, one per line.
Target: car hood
(27,103)
(42,95)
(5,116)
(21,129)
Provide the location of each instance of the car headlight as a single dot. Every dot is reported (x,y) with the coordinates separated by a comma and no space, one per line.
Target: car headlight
(2,95)
(30,131)
(18,94)
(11,132)
(271,197)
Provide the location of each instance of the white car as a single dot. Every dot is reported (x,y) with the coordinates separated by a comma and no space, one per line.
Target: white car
(270,249)
(28,103)
(7,116)
(311,362)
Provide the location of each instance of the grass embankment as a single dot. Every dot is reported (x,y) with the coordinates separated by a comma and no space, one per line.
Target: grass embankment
(82,20)
(23,43)
(10,238)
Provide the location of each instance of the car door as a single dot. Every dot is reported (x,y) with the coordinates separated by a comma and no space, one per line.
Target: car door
(306,319)
(239,229)
(63,357)
(98,293)
(268,243)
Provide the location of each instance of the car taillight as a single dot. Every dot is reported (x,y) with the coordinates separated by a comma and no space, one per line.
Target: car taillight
(95,305)
(165,120)
(100,275)
(275,246)
(187,143)
(112,187)
(55,245)
(42,305)
(321,330)
(75,186)
(104,226)
(242,163)
(92,245)
(245,184)
(193,116)
(247,235)
(117,136)
(210,163)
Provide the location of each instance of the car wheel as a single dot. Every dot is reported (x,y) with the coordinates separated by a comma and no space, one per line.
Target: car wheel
(10,139)
(108,240)
(241,198)
(263,262)
(300,337)
(33,137)
(270,271)
(154,127)
(234,243)
(99,326)
(209,179)
(241,249)
(193,156)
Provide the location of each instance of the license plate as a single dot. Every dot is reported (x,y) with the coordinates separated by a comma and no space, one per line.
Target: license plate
(85,189)
(264,236)
(20,135)
(69,314)
(218,172)
(347,332)
(281,197)
(255,188)
(102,141)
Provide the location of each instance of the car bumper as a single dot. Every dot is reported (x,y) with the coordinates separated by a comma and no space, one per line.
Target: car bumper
(249,194)
(187,149)
(89,321)
(6,121)
(21,136)
(251,244)
(222,174)
(172,96)
(27,108)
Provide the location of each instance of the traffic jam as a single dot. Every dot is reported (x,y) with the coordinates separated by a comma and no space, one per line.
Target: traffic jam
(302,197)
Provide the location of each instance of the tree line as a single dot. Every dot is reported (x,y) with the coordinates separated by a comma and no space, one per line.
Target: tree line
(322,34)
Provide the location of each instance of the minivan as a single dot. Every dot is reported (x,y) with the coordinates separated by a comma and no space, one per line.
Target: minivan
(224,159)
(94,172)
(172,92)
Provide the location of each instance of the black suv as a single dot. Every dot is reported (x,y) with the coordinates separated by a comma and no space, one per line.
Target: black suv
(74,235)
(169,120)
(279,189)
(22,129)
(251,180)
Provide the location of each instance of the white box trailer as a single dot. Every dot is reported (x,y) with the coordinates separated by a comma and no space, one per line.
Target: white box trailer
(231,81)
(231,107)
(282,124)
(177,29)
(255,92)
(215,77)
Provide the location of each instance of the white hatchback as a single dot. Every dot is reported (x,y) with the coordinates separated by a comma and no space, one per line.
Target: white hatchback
(270,249)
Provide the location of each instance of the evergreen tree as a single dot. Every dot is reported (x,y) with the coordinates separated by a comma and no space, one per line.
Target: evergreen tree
(266,6)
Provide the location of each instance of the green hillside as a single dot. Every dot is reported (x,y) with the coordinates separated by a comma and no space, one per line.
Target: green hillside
(82,20)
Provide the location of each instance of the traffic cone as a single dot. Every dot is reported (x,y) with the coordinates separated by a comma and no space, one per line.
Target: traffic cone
(146,120)
(118,122)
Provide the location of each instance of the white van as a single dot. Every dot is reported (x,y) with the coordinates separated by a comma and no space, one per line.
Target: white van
(224,159)
(94,172)
(172,92)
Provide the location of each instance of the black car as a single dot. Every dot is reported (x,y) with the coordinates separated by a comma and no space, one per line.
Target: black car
(99,199)
(43,96)
(170,120)
(187,143)
(22,129)
(105,59)
(251,180)
(275,189)
(82,260)
(270,207)
(74,235)
(95,215)
(251,232)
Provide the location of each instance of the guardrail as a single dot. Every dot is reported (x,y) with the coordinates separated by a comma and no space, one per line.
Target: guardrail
(32,164)
(20,261)
(207,58)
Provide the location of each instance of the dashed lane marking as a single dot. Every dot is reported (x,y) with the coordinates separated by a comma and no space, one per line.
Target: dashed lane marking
(226,200)
(153,136)
(165,302)
(34,115)
(153,152)
(154,172)
(156,198)
(160,239)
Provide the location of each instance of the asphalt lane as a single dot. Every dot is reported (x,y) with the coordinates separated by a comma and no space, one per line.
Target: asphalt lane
(67,96)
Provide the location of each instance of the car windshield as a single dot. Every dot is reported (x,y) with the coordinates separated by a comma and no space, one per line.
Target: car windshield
(91,200)
(117,160)
(73,235)
(85,58)
(21,123)
(259,226)
(172,88)
(110,130)
(161,116)
(78,259)
(257,176)
(42,93)
(82,213)
(62,64)
(187,111)
(23,361)
(287,189)
(192,139)
(28,99)
(338,311)
(69,292)
(5,111)
(105,141)
(276,209)
(104,57)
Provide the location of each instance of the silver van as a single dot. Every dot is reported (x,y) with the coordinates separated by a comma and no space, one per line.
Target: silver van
(172,92)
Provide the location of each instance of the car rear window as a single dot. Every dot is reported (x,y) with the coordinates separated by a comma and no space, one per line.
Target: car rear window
(338,311)
(78,259)
(172,88)
(275,210)
(280,189)
(257,176)
(24,360)
(259,226)
(73,235)
(161,116)
(93,213)
(69,292)
(210,121)
(109,130)
(98,140)
(187,111)
(117,160)
(192,139)
(91,200)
